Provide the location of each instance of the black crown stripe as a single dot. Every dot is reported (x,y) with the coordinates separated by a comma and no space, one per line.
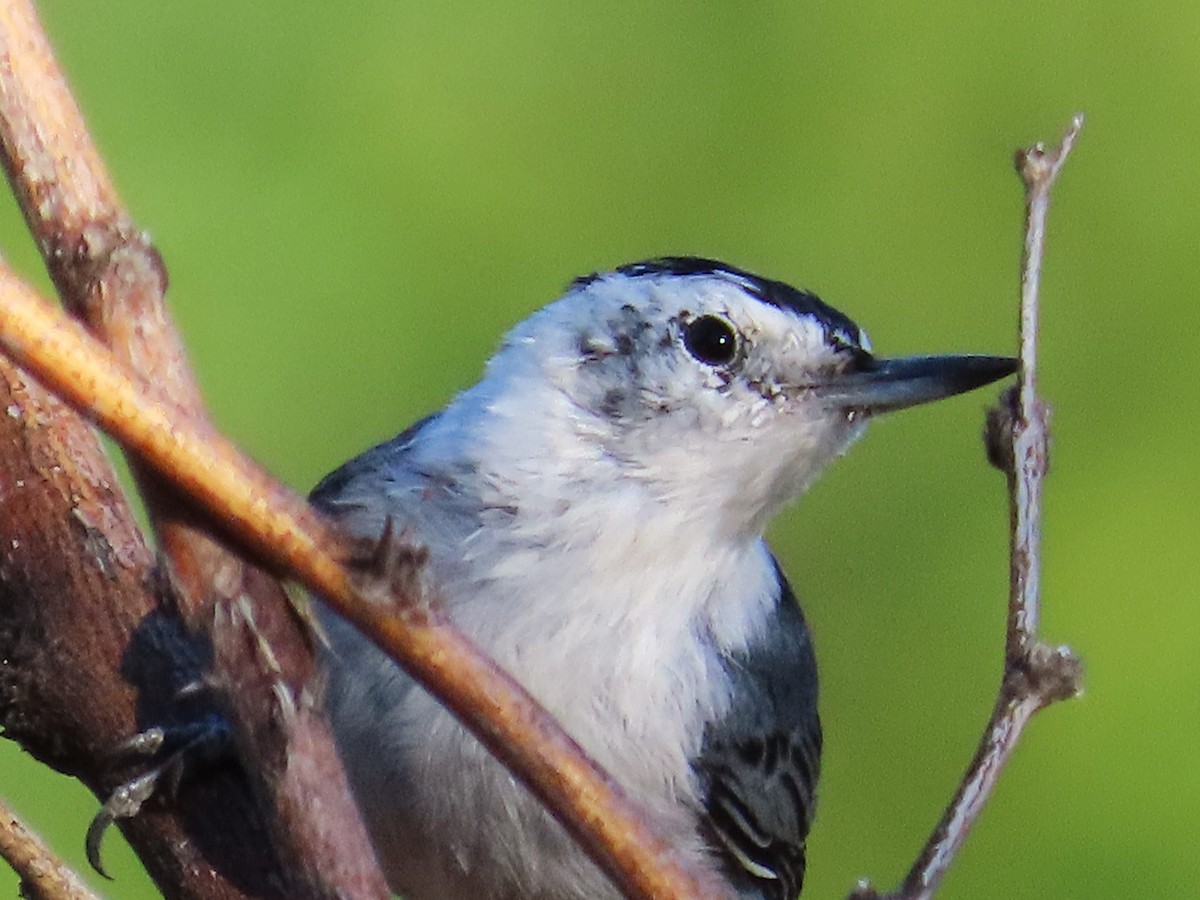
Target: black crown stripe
(839,328)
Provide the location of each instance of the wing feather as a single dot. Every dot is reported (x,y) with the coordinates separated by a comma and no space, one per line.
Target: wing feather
(760,764)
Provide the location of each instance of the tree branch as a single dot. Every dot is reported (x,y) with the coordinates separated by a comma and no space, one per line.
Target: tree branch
(282,531)
(43,875)
(87,650)
(1017,439)
(109,275)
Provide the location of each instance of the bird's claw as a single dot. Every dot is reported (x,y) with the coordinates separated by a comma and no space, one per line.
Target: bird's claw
(181,749)
(391,570)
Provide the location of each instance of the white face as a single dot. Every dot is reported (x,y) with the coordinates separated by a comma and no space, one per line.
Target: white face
(698,386)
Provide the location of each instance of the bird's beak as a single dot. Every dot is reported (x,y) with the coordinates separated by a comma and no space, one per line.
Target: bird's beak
(881,385)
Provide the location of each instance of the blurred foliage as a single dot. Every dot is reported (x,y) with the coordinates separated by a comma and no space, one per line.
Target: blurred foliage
(356,201)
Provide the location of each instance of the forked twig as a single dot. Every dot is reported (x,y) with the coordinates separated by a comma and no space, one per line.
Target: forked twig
(1035,674)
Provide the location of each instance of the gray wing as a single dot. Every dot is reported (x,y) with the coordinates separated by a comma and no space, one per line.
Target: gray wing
(336,493)
(389,485)
(758,766)
(379,489)
(364,690)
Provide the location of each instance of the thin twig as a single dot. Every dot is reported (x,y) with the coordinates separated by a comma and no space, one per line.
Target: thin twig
(43,875)
(1017,438)
(1038,168)
(281,529)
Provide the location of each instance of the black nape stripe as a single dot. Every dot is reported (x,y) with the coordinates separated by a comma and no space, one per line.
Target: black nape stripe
(838,327)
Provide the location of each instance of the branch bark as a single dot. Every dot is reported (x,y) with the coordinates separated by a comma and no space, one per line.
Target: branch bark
(1017,439)
(89,652)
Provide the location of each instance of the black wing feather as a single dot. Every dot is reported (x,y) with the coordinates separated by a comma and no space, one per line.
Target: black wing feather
(759,765)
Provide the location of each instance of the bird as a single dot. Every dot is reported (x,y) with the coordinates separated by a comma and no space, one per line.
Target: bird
(593,511)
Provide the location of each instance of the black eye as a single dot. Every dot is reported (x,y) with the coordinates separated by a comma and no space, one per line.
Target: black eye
(711,340)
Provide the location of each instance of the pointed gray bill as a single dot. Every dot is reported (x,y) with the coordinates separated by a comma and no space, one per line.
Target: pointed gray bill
(882,385)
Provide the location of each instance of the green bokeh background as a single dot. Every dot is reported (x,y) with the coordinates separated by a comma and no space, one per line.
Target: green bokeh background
(355,202)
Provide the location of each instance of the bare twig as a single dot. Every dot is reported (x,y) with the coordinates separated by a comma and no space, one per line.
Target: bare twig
(110,276)
(282,530)
(1035,674)
(43,875)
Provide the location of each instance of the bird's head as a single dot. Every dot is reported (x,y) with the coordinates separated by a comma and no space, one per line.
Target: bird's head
(709,387)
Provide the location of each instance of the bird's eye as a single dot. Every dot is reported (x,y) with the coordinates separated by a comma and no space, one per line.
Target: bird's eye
(711,340)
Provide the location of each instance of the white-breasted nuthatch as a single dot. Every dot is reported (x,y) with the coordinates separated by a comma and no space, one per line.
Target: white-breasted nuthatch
(594,511)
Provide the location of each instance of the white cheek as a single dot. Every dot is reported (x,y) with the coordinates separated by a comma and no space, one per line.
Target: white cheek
(757,416)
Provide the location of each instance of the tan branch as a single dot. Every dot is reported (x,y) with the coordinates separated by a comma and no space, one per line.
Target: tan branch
(116,286)
(280,529)
(1035,674)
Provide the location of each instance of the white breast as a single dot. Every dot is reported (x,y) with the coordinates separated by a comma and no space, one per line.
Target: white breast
(615,617)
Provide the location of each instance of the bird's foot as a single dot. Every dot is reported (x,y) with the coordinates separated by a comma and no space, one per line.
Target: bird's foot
(391,571)
(171,753)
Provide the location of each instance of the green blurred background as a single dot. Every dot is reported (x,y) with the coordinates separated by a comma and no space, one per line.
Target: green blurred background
(355,204)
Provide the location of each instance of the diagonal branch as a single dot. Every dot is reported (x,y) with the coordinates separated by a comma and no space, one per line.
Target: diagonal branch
(282,531)
(1017,438)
